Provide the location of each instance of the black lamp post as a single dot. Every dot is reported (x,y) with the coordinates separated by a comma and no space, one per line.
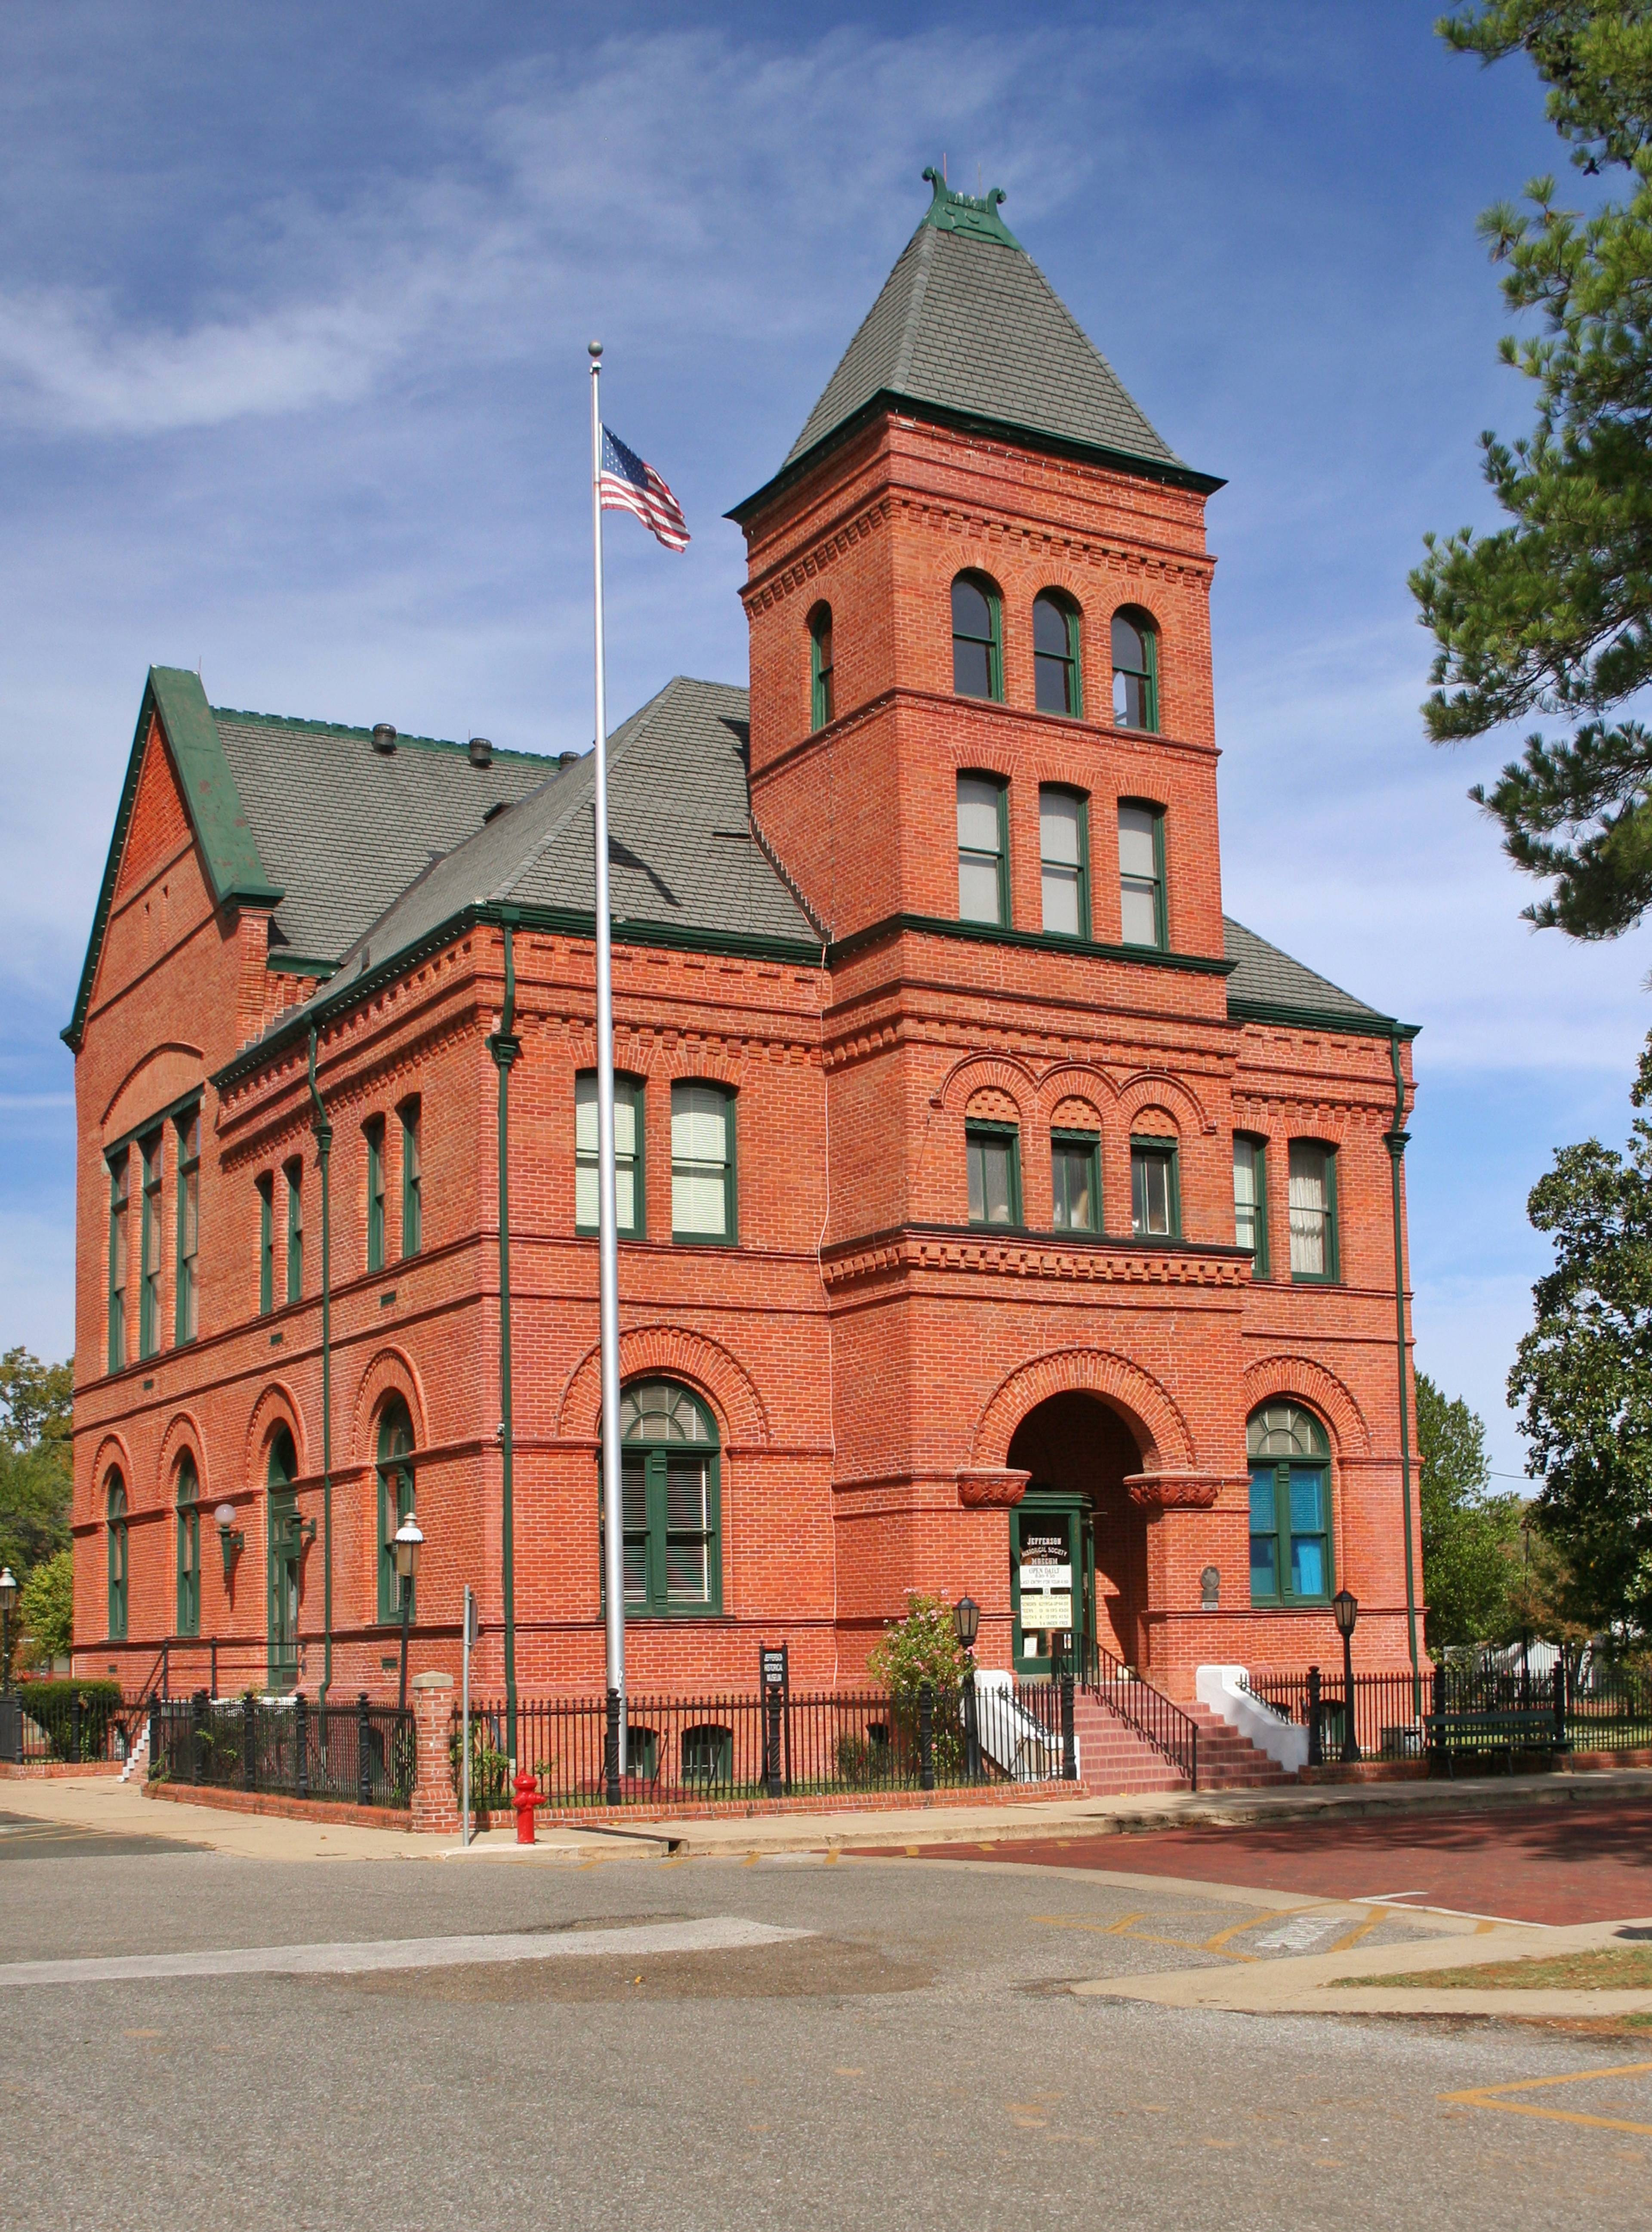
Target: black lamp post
(408,1544)
(966,1620)
(8,1598)
(1345,1606)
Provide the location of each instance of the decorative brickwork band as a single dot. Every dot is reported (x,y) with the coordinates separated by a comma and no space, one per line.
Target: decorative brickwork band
(1175,1491)
(992,1490)
(436,1810)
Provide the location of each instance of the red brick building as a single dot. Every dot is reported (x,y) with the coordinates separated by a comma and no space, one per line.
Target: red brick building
(995,1214)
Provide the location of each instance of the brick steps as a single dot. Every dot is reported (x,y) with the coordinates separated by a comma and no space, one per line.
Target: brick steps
(1116,1762)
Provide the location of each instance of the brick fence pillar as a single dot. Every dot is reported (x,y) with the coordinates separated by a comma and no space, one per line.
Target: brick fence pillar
(436,1810)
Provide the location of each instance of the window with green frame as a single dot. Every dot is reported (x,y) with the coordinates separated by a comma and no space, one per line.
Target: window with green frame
(1064,853)
(188,1546)
(983,849)
(1155,1189)
(822,694)
(1314,1251)
(115,1504)
(977,638)
(373,1132)
(670,1470)
(1290,1507)
(412,1177)
(150,1157)
(120,1171)
(186,1306)
(1075,1171)
(704,1192)
(1250,1199)
(266,1190)
(395,1473)
(1057,677)
(1143,916)
(631,1213)
(1136,669)
(294,1173)
(994,1152)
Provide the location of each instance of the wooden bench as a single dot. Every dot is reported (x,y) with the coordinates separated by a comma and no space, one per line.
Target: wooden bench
(1476,1733)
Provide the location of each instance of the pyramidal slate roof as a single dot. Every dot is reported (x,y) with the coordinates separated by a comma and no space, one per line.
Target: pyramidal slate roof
(1267,985)
(967,324)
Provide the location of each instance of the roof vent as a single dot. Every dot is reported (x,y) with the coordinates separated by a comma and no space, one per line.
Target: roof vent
(482,751)
(567,759)
(384,737)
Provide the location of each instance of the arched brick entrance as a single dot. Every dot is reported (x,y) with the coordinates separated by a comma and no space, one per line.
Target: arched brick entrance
(1079,1451)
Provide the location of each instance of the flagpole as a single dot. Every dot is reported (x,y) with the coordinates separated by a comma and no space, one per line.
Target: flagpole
(613,1557)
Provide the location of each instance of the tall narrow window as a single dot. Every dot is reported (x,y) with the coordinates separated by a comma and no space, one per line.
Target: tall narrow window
(672,1502)
(373,1132)
(1136,672)
(1155,1188)
(266,1186)
(1055,655)
(994,1152)
(1142,913)
(630,1213)
(395,1501)
(702,1163)
(1075,1172)
(1064,845)
(822,699)
(294,1176)
(188,1547)
(412,1180)
(149,1151)
(977,652)
(187,1309)
(1313,1212)
(983,849)
(1289,1505)
(115,1504)
(1250,1199)
(120,1168)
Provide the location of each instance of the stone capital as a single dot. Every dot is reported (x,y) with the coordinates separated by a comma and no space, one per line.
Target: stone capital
(991,1488)
(1175,1491)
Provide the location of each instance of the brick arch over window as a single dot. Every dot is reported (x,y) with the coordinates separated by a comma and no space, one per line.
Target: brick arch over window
(989,1104)
(1074,1115)
(668,1353)
(392,1372)
(183,1432)
(1075,1082)
(643,1057)
(114,1455)
(1278,1378)
(276,1407)
(1151,1087)
(1090,1370)
(982,1072)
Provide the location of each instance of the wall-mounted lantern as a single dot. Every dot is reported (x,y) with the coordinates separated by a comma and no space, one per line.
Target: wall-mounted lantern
(231,1540)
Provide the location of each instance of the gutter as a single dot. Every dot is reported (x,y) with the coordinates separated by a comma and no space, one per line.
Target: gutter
(505,1046)
(1397,1140)
(323,1131)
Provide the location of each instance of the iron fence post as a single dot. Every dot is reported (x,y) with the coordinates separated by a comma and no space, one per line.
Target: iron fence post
(75,1728)
(1069,1742)
(772,1739)
(301,1745)
(364,1752)
(611,1749)
(248,1743)
(1316,1740)
(926,1737)
(971,1725)
(1561,1740)
(197,1733)
(154,1735)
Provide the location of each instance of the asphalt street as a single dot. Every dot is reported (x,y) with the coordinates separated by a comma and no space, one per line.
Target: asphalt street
(911,2057)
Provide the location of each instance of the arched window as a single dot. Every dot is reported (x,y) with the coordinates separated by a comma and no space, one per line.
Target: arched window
(1136,669)
(395,1500)
(286,1543)
(1057,682)
(115,1505)
(977,642)
(822,701)
(673,1502)
(188,1546)
(1289,1505)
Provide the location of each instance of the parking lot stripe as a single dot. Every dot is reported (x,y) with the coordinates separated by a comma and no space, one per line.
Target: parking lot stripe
(1490,2096)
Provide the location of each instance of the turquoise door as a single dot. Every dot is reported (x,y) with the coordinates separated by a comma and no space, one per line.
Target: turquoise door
(1052,1581)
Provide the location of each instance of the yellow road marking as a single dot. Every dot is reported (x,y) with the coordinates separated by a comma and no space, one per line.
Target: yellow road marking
(1490,2096)
(1257,1922)
(1352,1936)
(1100,1929)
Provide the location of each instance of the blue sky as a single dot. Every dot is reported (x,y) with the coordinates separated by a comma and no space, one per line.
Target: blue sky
(293,307)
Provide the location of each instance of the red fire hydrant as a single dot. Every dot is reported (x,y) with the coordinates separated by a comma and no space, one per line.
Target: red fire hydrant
(527,1799)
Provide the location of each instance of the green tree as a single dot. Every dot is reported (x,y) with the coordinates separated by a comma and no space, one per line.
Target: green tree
(1552,613)
(46,1602)
(36,1479)
(1583,1374)
(1470,1537)
(923,1647)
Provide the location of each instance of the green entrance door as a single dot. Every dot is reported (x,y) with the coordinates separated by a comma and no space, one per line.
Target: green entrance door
(284,1549)
(1051,1580)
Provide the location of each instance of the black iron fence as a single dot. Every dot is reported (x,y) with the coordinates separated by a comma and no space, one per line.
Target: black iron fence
(65,1723)
(1172,1733)
(1606,1707)
(1385,1721)
(363,1753)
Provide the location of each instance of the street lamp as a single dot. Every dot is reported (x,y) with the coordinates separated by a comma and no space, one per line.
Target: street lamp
(1345,1606)
(231,1540)
(8,1598)
(966,1620)
(408,1543)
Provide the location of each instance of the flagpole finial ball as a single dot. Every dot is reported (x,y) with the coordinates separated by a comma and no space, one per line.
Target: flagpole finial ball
(595,348)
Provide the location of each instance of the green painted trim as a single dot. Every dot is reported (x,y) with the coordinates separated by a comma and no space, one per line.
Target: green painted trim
(924,925)
(974,216)
(117,1160)
(151,1185)
(635,1090)
(265,1187)
(1285,1598)
(300,964)
(656,1603)
(186,1284)
(411,1112)
(403,740)
(985,1128)
(1169,1151)
(1258,1143)
(1161,886)
(1068,790)
(373,1132)
(1370,1026)
(169,1114)
(1332,1275)
(822,679)
(729,1236)
(1089,1143)
(293,1171)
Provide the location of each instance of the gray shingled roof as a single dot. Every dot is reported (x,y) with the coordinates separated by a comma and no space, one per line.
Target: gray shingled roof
(1264,977)
(343,828)
(971,325)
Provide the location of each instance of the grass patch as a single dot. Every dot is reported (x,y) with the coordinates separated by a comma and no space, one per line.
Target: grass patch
(1611,1968)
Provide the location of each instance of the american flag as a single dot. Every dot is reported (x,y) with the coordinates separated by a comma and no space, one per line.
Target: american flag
(625,484)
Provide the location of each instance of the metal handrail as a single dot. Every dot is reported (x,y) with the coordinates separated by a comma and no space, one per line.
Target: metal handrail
(1153,1715)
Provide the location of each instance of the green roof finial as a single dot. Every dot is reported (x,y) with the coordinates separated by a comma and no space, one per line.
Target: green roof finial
(976,216)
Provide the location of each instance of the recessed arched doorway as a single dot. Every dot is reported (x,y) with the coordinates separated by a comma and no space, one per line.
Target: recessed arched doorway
(1078,1545)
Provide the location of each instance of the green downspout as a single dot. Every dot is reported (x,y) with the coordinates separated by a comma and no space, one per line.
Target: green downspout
(505,1045)
(1397,1142)
(323,1132)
